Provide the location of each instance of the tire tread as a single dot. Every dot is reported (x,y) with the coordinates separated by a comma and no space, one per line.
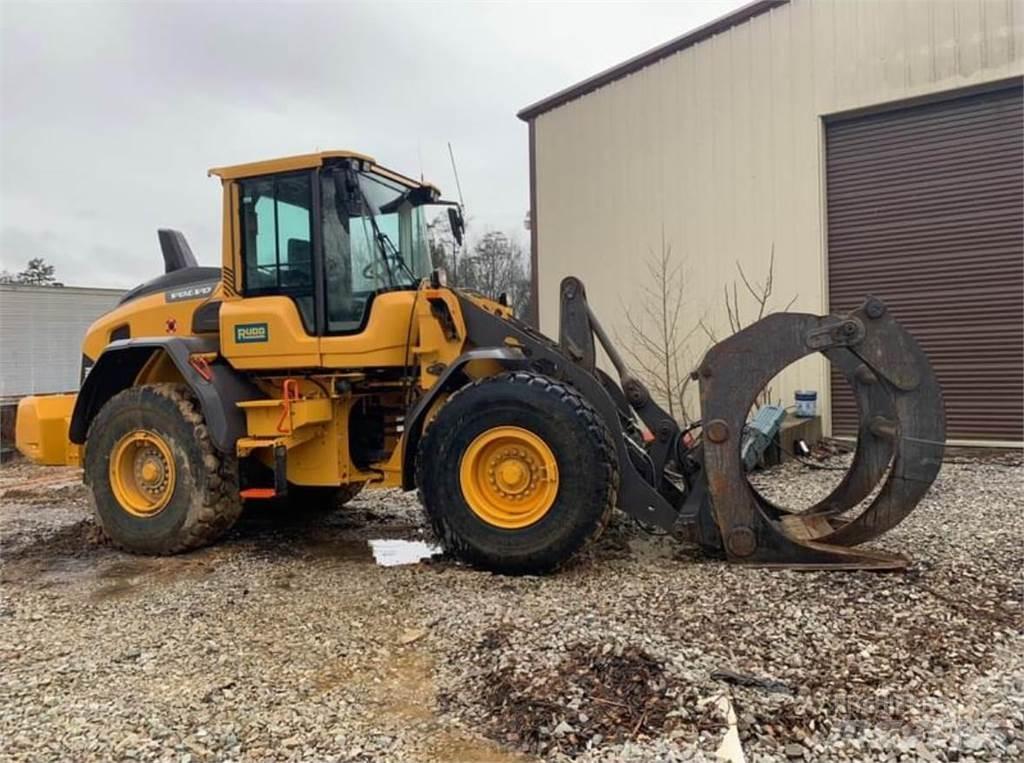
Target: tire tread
(221,504)
(597,433)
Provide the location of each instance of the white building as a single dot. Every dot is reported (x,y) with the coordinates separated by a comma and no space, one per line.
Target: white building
(41,331)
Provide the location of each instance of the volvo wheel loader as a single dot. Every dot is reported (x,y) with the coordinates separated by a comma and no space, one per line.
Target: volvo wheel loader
(327,355)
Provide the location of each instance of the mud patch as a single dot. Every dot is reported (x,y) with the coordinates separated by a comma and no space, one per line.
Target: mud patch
(595,695)
(454,747)
(337,537)
(46,496)
(127,577)
(75,539)
(78,556)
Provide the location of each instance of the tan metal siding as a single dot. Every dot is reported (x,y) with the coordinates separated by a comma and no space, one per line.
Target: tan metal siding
(926,211)
(721,146)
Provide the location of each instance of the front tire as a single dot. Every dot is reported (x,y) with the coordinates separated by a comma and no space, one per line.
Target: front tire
(517,473)
(158,486)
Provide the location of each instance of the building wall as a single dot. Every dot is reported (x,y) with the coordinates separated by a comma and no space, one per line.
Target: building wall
(41,331)
(720,148)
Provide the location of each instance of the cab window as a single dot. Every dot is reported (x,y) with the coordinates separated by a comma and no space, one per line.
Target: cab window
(277,249)
(372,241)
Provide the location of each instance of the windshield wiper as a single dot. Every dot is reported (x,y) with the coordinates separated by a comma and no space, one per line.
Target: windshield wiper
(383,242)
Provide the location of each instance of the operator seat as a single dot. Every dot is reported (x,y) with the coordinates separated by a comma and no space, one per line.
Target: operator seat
(297,274)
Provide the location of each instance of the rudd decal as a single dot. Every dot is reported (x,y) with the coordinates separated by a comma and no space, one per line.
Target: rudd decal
(251,332)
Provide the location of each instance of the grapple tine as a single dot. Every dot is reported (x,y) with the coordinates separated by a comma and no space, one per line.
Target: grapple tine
(872,455)
(901,423)
(917,434)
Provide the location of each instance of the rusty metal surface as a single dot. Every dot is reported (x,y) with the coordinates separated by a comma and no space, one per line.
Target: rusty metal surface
(919,432)
(872,455)
(901,421)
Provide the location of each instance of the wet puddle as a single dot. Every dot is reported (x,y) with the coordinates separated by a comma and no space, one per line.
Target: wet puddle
(392,553)
(107,579)
(120,576)
(384,552)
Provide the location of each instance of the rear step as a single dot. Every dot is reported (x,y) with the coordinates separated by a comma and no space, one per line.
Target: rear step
(280,424)
(258,493)
(280,486)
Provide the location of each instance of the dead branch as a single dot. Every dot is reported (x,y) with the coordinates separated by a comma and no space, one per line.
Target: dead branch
(656,341)
(761,293)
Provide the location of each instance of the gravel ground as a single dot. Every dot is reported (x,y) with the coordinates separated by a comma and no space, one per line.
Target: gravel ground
(287,641)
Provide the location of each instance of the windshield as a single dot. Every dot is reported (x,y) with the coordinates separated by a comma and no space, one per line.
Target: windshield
(389,244)
(374,238)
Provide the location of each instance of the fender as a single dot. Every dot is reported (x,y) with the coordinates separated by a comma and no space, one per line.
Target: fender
(451,379)
(119,366)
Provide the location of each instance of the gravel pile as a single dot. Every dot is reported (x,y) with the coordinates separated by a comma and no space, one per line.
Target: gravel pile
(287,641)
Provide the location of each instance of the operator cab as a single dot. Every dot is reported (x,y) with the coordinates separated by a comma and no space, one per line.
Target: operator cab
(332,236)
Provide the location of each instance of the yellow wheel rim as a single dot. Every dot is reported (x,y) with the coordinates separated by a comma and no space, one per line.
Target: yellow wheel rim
(509,477)
(142,473)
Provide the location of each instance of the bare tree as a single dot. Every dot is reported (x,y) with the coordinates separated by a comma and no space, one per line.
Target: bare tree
(443,246)
(497,265)
(761,291)
(656,343)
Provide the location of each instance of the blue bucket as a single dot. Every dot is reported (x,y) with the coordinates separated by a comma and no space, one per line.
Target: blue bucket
(806,403)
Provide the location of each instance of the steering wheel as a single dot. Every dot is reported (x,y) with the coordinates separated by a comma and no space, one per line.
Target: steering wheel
(391,262)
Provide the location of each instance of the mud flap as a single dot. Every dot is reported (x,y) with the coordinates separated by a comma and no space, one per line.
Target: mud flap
(901,437)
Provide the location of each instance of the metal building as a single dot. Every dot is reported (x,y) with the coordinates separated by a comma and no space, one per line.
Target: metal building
(876,146)
(41,331)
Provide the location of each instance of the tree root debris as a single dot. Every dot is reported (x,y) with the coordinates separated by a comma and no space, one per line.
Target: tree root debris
(597,694)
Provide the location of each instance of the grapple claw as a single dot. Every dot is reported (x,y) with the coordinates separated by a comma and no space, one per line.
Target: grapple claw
(700,490)
(901,438)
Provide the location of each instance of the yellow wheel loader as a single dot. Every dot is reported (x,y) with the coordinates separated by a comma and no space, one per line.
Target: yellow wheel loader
(326,355)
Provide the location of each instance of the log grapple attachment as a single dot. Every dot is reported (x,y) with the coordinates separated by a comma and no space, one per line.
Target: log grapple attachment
(697,486)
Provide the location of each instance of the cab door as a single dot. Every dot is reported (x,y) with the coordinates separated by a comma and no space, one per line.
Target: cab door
(367,311)
(274,323)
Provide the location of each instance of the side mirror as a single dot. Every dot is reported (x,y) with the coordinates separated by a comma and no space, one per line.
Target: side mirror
(456,223)
(346,190)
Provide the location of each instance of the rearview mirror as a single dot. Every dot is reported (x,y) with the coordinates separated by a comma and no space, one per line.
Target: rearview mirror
(456,223)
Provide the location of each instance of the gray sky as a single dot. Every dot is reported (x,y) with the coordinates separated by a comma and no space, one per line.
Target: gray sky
(111,113)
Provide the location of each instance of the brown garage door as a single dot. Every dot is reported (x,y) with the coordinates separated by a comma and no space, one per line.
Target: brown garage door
(926,211)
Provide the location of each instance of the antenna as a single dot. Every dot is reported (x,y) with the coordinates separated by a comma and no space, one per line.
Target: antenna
(455,171)
(462,207)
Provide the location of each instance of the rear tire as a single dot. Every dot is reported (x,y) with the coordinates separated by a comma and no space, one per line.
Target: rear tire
(200,500)
(536,521)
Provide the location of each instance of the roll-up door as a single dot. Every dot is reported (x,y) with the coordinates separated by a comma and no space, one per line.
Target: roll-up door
(926,211)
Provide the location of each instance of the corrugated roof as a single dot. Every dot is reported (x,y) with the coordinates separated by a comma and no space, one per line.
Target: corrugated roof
(63,291)
(649,57)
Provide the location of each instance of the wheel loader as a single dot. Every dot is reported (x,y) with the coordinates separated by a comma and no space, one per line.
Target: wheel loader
(327,355)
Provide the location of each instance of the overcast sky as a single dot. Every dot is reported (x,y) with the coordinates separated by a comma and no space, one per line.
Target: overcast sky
(111,113)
